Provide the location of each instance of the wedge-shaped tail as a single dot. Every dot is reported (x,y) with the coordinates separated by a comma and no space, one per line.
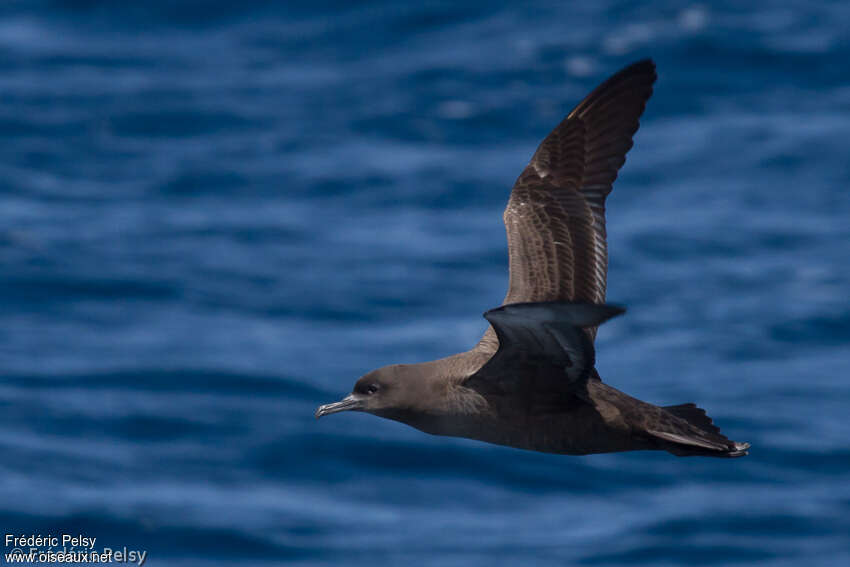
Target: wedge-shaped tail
(700,437)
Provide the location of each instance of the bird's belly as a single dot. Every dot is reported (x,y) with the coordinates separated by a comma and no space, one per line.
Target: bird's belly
(577,432)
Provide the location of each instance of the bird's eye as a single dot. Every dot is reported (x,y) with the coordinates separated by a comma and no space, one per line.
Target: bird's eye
(371,389)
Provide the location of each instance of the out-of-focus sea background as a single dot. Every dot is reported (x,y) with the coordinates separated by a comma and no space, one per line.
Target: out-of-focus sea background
(215,216)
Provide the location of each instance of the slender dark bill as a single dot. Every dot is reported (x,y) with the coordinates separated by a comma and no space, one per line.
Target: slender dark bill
(345,404)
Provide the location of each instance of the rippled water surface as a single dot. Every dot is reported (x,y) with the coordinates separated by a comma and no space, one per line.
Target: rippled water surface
(216,216)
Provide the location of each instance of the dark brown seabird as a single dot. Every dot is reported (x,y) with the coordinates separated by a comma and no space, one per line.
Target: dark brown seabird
(530,382)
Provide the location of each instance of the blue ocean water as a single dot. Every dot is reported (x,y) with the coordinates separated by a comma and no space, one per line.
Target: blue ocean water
(215,216)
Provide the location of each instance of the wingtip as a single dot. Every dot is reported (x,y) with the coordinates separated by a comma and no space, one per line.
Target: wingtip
(616,309)
(645,62)
(642,66)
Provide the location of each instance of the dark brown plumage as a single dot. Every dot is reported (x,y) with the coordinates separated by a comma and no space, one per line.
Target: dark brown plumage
(530,382)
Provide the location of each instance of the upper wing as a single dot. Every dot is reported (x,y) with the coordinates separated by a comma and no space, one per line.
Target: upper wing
(541,336)
(555,218)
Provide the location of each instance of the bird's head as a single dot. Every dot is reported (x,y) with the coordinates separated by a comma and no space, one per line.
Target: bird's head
(385,392)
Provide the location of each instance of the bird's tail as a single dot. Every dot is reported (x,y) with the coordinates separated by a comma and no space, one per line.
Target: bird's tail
(697,436)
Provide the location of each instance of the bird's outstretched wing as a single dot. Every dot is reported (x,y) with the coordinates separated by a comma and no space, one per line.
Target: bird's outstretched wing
(555,218)
(542,340)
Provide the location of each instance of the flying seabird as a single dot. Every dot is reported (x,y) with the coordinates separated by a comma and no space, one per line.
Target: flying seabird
(530,382)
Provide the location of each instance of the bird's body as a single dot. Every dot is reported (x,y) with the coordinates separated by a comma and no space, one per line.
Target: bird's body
(530,382)
(536,419)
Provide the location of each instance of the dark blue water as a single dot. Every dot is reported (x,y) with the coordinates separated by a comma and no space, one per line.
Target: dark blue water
(215,216)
